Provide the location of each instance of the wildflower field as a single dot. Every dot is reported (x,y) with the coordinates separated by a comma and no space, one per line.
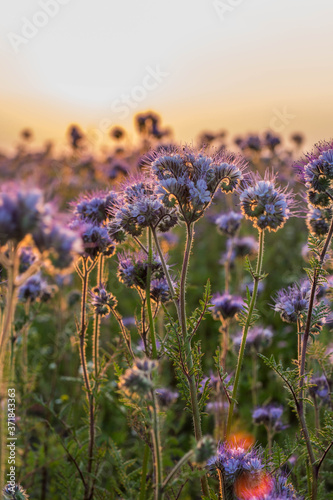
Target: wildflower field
(166,318)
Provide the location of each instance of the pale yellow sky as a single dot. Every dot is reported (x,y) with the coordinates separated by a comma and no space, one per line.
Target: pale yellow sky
(241,65)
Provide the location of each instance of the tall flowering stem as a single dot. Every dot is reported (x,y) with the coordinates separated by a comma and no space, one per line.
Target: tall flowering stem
(87,267)
(301,414)
(189,357)
(157,450)
(256,279)
(148,299)
(97,319)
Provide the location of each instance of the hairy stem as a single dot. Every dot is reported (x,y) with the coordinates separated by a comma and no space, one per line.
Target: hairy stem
(148,299)
(97,319)
(256,279)
(306,335)
(187,342)
(157,451)
(90,396)
(144,473)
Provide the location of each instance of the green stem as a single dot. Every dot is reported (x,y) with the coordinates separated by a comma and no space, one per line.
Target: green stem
(176,468)
(148,299)
(254,379)
(97,319)
(188,350)
(144,473)
(157,451)
(306,335)
(256,279)
(90,396)
(165,269)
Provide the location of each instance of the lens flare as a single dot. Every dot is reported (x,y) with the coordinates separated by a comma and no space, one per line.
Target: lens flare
(253,487)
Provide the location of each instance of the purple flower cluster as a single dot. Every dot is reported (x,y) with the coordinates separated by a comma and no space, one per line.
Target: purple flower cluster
(188,179)
(320,388)
(258,338)
(316,171)
(102,301)
(95,207)
(292,302)
(138,207)
(27,258)
(133,272)
(35,289)
(232,460)
(267,206)
(270,416)
(166,397)
(23,212)
(318,220)
(229,223)
(226,305)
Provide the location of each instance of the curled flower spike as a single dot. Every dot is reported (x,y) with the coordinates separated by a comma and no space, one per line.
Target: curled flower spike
(258,338)
(269,415)
(95,239)
(102,301)
(319,388)
(318,221)
(137,380)
(95,207)
(229,223)
(188,179)
(265,204)
(133,272)
(14,492)
(292,302)
(226,305)
(139,207)
(21,212)
(36,288)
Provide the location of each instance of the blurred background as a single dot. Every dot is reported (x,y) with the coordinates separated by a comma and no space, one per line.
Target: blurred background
(239,65)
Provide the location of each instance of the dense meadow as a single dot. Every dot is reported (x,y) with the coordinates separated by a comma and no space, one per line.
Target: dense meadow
(166,315)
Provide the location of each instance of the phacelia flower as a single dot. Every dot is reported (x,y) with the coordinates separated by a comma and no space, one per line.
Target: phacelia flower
(159,290)
(226,305)
(272,140)
(102,301)
(318,221)
(35,288)
(258,338)
(270,416)
(133,272)
(292,302)
(234,460)
(21,211)
(139,206)
(229,223)
(267,206)
(61,242)
(95,239)
(188,179)
(27,258)
(318,173)
(137,380)
(319,388)
(95,208)
(166,397)
(15,492)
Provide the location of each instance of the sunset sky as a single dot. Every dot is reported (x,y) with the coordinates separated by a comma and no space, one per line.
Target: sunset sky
(241,65)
